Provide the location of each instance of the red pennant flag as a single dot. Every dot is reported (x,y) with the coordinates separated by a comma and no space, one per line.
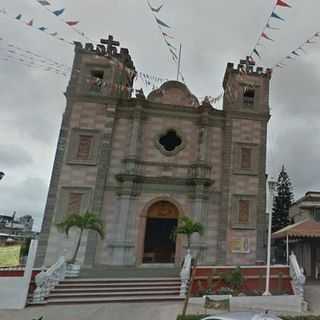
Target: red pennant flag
(72,23)
(30,23)
(264,35)
(281,3)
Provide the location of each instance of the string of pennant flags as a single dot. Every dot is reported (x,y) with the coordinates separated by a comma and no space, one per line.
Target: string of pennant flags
(59,13)
(31,24)
(14,49)
(30,64)
(264,35)
(301,49)
(167,37)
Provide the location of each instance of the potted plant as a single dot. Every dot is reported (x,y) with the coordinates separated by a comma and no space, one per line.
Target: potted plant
(86,221)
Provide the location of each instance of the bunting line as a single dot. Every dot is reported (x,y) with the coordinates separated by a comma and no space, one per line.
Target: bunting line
(34,55)
(58,13)
(296,53)
(268,26)
(161,24)
(21,61)
(30,23)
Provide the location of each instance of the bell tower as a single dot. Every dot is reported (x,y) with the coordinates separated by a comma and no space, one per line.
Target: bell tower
(246,110)
(102,70)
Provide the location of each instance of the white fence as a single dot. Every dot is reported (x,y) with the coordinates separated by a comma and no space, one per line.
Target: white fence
(14,290)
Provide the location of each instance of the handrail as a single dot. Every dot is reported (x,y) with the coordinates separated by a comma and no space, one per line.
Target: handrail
(185,273)
(297,275)
(47,280)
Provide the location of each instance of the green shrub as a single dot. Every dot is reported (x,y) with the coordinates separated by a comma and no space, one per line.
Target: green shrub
(234,279)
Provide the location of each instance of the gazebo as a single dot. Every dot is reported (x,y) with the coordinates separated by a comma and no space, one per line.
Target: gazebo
(303,238)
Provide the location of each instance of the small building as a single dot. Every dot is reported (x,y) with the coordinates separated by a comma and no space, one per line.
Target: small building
(303,236)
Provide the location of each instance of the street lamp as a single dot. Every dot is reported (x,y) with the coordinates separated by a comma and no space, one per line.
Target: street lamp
(272,187)
(1,175)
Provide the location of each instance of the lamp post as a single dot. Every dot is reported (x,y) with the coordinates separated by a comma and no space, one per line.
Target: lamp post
(1,175)
(271,185)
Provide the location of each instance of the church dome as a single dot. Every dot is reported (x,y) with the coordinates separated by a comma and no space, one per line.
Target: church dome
(174,92)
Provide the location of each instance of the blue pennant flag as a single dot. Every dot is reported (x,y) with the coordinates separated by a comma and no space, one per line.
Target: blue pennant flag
(58,12)
(42,28)
(19,16)
(274,15)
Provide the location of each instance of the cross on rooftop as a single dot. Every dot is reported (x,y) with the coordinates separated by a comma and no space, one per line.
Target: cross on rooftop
(111,44)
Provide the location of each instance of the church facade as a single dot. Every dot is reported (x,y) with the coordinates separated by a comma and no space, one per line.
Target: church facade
(141,163)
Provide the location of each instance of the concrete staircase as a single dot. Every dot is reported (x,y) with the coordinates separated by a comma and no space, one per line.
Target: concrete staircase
(111,290)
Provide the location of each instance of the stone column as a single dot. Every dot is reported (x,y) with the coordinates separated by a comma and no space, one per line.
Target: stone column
(123,244)
(134,141)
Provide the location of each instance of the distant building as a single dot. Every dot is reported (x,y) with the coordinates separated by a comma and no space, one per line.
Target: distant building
(303,235)
(307,207)
(21,226)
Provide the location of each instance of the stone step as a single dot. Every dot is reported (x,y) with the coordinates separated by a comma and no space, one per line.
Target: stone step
(115,289)
(112,294)
(129,272)
(116,300)
(110,280)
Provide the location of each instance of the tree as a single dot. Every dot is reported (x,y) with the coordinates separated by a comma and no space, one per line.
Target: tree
(282,201)
(188,227)
(86,221)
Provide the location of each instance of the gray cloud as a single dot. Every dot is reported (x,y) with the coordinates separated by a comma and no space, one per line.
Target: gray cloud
(12,156)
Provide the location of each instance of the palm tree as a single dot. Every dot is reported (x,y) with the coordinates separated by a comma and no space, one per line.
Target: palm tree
(86,221)
(188,227)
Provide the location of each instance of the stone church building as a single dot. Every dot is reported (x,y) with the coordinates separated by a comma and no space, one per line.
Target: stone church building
(141,162)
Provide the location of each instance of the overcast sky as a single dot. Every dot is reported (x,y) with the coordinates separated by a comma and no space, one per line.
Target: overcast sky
(212,33)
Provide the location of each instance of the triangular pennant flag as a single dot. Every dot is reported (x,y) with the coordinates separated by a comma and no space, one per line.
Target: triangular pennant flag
(173,53)
(167,35)
(310,42)
(170,45)
(155,9)
(58,12)
(281,3)
(30,23)
(257,53)
(274,15)
(301,48)
(162,23)
(42,28)
(272,28)
(72,23)
(295,53)
(44,2)
(289,57)
(19,16)
(264,35)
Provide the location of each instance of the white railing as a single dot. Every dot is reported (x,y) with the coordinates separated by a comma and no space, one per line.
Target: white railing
(297,275)
(185,273)
(47,280)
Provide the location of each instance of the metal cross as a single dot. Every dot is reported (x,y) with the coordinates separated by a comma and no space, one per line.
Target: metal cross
(111,44)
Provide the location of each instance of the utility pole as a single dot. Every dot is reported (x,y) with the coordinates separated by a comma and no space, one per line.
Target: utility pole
(271,184)
(179,63)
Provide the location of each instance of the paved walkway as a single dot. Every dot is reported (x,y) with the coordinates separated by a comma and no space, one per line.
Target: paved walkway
(312,296)
(132,311)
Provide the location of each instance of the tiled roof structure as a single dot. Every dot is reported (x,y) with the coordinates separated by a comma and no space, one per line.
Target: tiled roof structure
(302,229)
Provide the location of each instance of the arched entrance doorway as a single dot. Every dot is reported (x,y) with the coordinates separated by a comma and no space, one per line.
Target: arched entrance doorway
(159,239)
